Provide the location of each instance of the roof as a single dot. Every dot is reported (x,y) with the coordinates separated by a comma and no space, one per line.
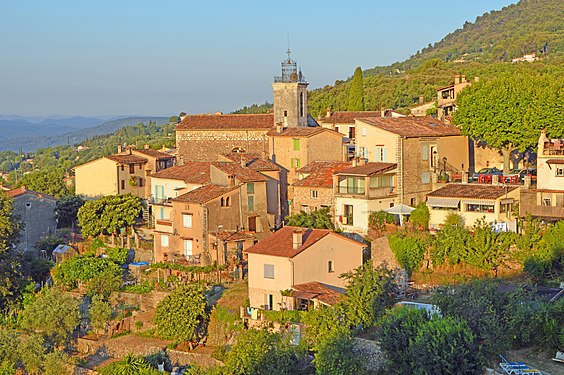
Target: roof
(22,190)
(232,236)
(189,172)
(235,169)
(231,122)
(126,159)
(476,191)
(347,117)
(204,194)
(321,173)
(318,291)
(159,155)
(253,161)
(412,127)
(280,243)
(368,169)
(302,132)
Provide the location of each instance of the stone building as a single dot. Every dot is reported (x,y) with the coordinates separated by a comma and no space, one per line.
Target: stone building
(446,97)
(422,147)
(37,212)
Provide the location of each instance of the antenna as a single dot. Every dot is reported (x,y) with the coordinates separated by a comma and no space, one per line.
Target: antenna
(288,52)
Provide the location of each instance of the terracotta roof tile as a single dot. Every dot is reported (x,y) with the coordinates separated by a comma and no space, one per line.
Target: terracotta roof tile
(22,190)
(253,160)
(302,132)
(476,191)
(126,159)
(368,169)
(233,236)
(320,173)
(232,122)
(159,155)
(318,291)
(280,243)
(190,172)
(411,127)
(204,194)
(235,169)
(347,117)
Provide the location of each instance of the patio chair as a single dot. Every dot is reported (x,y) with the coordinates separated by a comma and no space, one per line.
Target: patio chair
(517,368)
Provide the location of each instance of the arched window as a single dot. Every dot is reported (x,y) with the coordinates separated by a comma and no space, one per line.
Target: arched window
(227,203)
(222,202)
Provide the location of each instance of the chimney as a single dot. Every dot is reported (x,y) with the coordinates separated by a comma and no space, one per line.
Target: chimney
(279,127)
(421,99)
(146,146)
(128,150)
(297,239)
(243,161)
(457,79)
(362,161)
(120,150)
(382,111)
(328,114)
(462,78)
(355,161)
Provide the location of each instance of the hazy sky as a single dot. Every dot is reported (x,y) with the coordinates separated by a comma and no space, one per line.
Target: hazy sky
(161,57)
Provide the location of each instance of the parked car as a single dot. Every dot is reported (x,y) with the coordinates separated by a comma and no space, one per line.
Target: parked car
(487,172)
(519,174)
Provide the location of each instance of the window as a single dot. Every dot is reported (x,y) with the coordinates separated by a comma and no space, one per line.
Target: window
(425,177)
(122,167)
(546,202)
(330,266)
(301,104)
(296,144)
(295,163)
(348,217)
(162,213)
(141,182)
(269,302)
(188,248)
(314,194)
(131,168)
(363,132)
(187,220)
(480,207)
(269,271)
(164,240)
(305,208)
(122,184)
(424,152)
(559,171)
(251,203)
(285,113)
(250,188)
(380,154)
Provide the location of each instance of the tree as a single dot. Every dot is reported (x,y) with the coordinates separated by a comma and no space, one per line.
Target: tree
(377,221)
(11,280)
(108,214)
(369,292)
(50,182)
(420,216)
(31,352)
(509,111)
(320,219)
(408,251)
(100,312)
(450,244)
(9,224)
(8,347)
(55,363)
(486,248)
(54,313)
(179,315)
(356,93)
(66,210)
(323,322)
(335,356)
(83,268)
(261,352)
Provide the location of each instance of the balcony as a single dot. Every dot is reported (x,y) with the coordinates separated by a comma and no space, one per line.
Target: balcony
(542,211)
(358,192)
(164,226)
(159,201)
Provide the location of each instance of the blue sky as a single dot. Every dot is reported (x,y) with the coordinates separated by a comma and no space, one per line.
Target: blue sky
(161,57)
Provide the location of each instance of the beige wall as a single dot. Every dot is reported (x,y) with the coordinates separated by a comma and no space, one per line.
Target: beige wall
(259,286)
(375,137)
(361,210)
(312,264)
(96,179)
(546,174)
(303,196)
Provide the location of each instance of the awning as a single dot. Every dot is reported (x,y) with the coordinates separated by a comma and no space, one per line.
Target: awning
(304,295)
(443,202)
(480,202)
(507,200)
(555,161)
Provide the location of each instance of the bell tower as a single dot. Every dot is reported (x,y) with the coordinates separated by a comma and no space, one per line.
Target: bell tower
(290,96)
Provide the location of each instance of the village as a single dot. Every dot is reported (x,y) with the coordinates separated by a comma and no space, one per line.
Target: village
(254,220)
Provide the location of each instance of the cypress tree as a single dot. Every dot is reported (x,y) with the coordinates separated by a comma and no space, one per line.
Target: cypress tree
(356,93)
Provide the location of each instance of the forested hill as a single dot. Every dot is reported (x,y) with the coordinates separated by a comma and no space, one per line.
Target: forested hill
(481,48)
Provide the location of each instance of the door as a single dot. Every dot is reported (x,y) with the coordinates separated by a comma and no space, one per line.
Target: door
(253,224)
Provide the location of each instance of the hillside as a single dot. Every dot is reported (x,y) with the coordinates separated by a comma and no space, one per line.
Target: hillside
(481,48)
(30,136)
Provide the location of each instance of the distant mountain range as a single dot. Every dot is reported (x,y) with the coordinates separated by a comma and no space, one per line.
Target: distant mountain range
(23,133)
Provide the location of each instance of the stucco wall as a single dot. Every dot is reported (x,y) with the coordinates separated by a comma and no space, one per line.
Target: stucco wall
(259,286)
(96,179)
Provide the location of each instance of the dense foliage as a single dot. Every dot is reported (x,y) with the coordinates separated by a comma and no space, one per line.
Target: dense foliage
(255,108)
(320,219)
(66,210)
(409,251)
(356,93)
(179,315)
(420,216)
(109,214)
(83,268)
(130,365)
